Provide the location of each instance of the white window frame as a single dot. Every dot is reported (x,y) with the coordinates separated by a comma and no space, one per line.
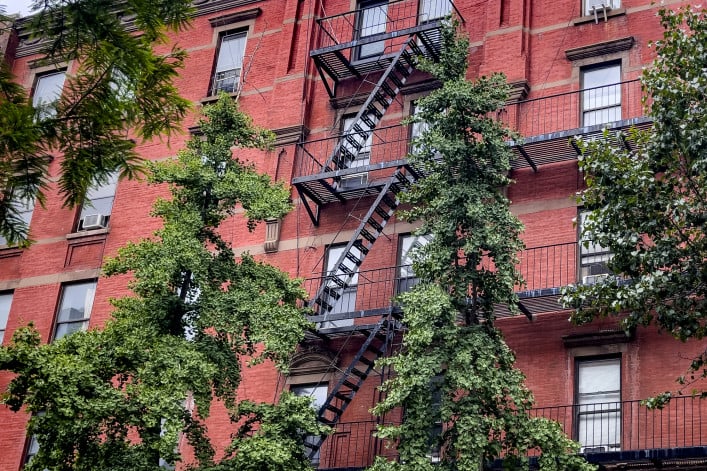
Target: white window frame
(593,257)
(363,156)
(406,275)
(46,92)
(5,306)
(601,94)
(228,67)
(347,301)
(25,210)
(431,10)
(598,404)
(99,200)
(65,323)
(319,393)
(372,20)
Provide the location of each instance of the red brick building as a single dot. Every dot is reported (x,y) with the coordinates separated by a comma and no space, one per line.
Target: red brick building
(334,79)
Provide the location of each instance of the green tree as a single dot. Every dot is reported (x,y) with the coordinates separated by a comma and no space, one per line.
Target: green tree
(115,398)
(650,204)
(455,368)
(120,93)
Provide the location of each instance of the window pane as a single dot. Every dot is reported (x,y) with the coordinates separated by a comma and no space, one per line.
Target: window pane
(24,208)
(5,303)
(231,52)
(48,89)
(99,198)
(76,302)
(319,394)
(599,404)
(601,98)
(434,9)
(373,21)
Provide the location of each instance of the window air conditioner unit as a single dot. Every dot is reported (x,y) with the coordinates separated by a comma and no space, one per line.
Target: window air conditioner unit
(93,221)
(594,279)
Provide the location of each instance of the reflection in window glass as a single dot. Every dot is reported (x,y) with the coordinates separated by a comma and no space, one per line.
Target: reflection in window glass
(5,303)
(47,91)
(601,98)
(75,308)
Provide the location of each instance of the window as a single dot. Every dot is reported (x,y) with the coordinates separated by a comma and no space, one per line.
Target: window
(318,393)
(47,90)
(355,144)
(229,62)
(372,20)
(347,301)
(601,96)
(406,246)
(24,209)
(592,256)
(590,6)
(434,9)
(5,303)
(598,404)
(98,204)
(75,308)
(32,449)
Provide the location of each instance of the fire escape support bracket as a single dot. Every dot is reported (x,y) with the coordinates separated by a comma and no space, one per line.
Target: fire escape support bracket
(312,212)
(575,146)
(527,158)
(525,311)
(330,89)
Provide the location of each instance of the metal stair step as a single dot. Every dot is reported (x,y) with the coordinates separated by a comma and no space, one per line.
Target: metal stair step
(359,373)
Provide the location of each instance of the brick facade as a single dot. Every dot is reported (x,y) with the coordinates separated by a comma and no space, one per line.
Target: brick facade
(282,90)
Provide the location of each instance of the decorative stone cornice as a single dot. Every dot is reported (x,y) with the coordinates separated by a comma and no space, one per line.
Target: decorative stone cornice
(236,17)
(290,134)
(600,49)
(518,90)
(603,337)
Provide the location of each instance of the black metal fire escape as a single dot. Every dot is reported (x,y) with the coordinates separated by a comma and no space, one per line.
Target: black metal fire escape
(323,186)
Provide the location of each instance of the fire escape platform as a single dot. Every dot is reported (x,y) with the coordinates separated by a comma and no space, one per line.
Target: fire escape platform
(561,146)
(322,188)
(336,60)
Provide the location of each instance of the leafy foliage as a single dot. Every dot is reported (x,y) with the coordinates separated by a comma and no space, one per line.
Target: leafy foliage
(120,93)
(650,205)
(115,398)
(452,349)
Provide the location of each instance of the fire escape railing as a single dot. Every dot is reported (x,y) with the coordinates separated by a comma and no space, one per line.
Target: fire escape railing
(545,269)
(401,15)
(606,431)
(572,110)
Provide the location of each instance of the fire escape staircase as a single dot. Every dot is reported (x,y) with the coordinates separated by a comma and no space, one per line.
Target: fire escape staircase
(378,341)
(319,188)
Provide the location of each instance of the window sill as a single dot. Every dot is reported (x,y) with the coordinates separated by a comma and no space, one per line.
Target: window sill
(591,19)
(98,233)
(10,251)
(214,98)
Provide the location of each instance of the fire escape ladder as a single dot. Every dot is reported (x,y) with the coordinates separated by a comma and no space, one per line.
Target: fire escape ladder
(375,106)
(370,228)
(377,343)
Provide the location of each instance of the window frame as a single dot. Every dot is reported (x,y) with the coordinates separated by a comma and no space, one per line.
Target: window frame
(592,260)
(25,215)
(347,302)
(238,33)
(405,281)
(323,385)
(84,322)
(421,19)
(577,406)
(363,156)
(377,48)
(87,207)
(45,108)
(5,315)
(596,94)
